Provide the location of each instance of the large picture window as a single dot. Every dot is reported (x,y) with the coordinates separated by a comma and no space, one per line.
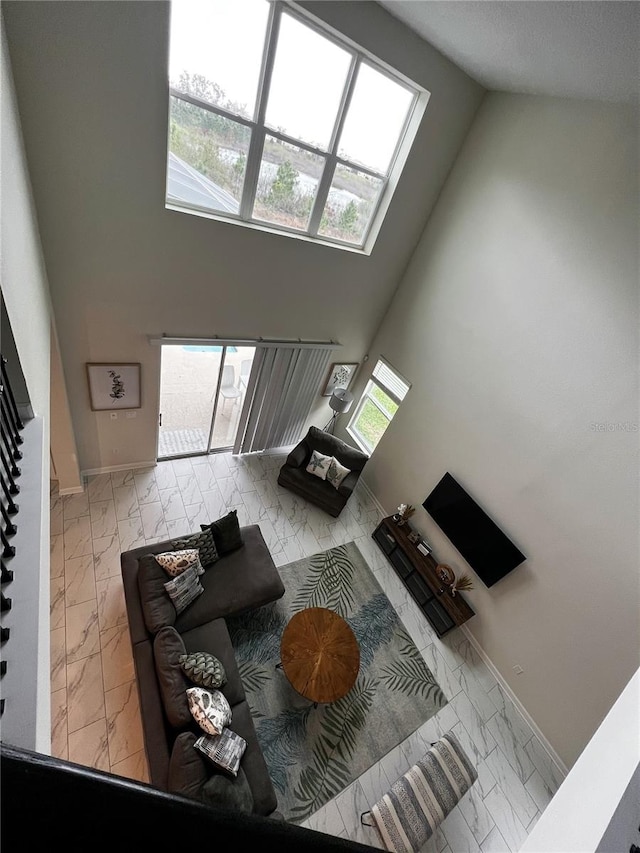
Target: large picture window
(276,122)
(379,402)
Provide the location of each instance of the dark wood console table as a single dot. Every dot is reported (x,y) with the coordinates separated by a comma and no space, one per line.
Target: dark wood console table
(418,573)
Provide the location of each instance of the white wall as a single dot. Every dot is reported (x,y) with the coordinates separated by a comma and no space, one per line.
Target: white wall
(596,807)
(517,323)
(25,292)
(93,101)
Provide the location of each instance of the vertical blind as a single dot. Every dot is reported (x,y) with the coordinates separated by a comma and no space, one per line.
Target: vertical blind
(283,384)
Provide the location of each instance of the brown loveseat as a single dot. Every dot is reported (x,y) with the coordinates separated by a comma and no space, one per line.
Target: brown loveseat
(242,580)
(294,476)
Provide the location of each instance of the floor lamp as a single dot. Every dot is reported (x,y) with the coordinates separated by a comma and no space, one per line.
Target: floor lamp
(340,401)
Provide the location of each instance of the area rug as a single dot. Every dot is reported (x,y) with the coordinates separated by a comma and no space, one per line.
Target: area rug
(314,752)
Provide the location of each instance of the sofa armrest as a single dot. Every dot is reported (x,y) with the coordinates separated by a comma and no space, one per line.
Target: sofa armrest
(297,455)
(349,483)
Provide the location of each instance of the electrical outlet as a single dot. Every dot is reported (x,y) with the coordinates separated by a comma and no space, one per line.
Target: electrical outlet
(518,669)
(131,415)
(114,416)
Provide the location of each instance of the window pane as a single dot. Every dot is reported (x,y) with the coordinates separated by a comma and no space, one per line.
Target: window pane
(216,51)
(370,423)
(287,184)
(350,205)
(385,401)
(207,158)
(308,79)
(374,120)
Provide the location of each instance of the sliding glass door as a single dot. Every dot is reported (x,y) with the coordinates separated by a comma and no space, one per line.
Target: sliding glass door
(202,390)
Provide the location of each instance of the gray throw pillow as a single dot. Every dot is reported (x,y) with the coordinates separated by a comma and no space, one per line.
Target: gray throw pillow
(226,532)
(184,589)
(221,791)
(205,544)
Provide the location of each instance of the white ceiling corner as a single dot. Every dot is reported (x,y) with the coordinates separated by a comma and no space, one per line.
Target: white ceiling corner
(566,48)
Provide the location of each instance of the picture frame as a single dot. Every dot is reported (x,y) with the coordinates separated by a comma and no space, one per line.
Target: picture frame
(340,376)
(114,385)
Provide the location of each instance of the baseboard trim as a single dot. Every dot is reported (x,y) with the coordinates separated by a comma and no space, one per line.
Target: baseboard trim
(90,472)
(553,755)
(373,498)
(72,490)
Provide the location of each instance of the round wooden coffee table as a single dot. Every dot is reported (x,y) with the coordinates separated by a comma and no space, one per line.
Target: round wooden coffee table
(320,655)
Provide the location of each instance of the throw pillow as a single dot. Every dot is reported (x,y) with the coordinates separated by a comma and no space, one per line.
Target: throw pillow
(220,790)
(205,544)
(167,649)
(184,589)
(157,609)
(209,708)
(226,532)
(336,473)
(203,669)
(176,562)
(319,464)
(188,769)
(224,750)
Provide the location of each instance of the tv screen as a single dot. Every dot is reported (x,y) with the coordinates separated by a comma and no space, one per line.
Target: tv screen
(480,541)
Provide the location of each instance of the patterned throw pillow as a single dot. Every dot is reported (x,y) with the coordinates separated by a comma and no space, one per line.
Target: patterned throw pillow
(203,669)
(224,750)
(209,709)
(205,545)
(336,473)
(175,562)
(319,464)
(184,589)
(226,532)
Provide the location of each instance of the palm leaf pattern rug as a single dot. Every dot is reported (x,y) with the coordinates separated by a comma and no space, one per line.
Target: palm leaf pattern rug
(314,753)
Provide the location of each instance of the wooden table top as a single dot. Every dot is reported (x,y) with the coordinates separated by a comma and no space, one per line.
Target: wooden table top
(320,655)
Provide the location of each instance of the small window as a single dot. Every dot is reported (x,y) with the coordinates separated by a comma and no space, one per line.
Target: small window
(379,402)
(277,122)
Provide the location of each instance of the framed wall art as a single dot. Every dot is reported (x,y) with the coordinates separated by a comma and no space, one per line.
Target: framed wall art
(340,375)
(114,385)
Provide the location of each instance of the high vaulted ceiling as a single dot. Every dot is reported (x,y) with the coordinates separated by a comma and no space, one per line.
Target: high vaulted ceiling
(567,48)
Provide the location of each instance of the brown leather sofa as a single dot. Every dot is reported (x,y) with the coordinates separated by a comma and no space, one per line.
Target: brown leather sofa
(241,580)
(294,476)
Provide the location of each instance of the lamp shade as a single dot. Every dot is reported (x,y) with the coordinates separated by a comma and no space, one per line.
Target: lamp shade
(341,400)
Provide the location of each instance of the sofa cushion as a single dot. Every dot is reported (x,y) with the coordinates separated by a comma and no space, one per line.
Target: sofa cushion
(157,609)
(167,649)
(318,491)
(214,637)
(253,763)
(203,669)
(228,793)
(184,589)
(189,770)
(329,445)
(209,709)
(226,532)
(205,544)
(243,580)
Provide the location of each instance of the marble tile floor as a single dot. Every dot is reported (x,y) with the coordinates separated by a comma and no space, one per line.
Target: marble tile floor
(95,714)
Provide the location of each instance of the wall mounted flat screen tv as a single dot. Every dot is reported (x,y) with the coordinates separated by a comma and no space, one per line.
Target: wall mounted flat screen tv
(484,546)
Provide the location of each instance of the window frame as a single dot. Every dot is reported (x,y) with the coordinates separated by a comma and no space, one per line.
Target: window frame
(366,396)
(259,131)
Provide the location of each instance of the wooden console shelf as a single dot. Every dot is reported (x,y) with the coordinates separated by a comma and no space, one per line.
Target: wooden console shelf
(418,573)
